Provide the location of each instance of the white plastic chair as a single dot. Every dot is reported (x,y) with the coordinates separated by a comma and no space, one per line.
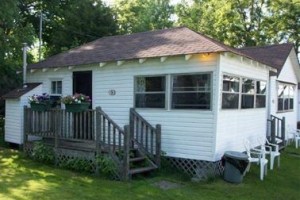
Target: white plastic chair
(274,152)
(260,158)
(296,136)
(271,149)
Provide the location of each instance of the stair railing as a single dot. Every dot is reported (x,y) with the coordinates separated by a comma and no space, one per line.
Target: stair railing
(112,138)
(145,136)
(277,128)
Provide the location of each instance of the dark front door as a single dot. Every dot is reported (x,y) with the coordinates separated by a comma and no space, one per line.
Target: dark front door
(82,83)
(83,121)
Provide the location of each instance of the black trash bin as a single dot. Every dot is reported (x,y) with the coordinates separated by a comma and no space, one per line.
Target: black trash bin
(235,165)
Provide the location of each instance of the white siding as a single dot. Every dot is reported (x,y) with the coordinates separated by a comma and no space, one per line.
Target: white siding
(14,116)
(234,126)
(46,78)
(13,121)
(287,74)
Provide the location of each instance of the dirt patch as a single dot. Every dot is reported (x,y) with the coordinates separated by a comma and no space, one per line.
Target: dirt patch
(167,185)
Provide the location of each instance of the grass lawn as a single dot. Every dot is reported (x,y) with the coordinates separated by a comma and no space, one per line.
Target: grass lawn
(24,179)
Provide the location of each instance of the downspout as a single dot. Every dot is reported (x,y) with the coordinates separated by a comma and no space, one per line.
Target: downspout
(24,64)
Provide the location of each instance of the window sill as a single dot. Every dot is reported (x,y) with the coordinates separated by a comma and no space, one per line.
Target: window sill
(284,111)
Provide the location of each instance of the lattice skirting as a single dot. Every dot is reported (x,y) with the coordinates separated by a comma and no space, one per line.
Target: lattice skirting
(198,169)
(64,157)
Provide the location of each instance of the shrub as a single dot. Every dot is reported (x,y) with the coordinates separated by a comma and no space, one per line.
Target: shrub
(77,164)
(1,122)
(43,153)
(107,166)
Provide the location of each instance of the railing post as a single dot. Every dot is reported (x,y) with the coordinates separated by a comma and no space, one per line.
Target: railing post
(98,130)
(131,124)
(158,144)
(56,130)
(25,127)
(126,153)
(273,134)
(283,130)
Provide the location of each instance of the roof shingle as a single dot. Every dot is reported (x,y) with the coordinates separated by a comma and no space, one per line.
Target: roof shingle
(18,92)
(167,42)
(272,55)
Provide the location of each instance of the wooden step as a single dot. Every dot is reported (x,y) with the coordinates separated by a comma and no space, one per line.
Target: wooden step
(137,159)
(142,170)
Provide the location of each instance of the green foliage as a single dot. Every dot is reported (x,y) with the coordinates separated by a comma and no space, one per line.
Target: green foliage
(1,123)
(68,23)
(107,166)
(243,23)
(13,32)
(138,16)
(77,164)
(43,153)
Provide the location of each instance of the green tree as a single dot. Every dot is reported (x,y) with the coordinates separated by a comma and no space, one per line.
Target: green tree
(13,32)
(137,16)
(284,21)
(69,23)
(243,22)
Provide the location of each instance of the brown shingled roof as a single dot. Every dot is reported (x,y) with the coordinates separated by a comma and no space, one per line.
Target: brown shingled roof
(167,42)
(17,93)
(272,55)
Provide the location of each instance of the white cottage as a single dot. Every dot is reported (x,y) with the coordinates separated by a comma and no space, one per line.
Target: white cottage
(208,97)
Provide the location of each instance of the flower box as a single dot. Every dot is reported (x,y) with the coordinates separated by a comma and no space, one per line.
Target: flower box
(77,107)
(40,107)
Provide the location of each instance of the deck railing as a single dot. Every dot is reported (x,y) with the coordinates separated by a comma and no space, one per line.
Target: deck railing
(145,136)
(59,124)
(93,126)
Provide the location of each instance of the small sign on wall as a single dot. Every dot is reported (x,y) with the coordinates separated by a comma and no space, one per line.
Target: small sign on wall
(112,92)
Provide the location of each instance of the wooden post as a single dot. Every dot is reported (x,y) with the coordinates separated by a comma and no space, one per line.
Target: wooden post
(98,136)
(98,130)
(273,134)
(126,153)
(283,130)
(25,127)
(131,124)
(57,127)
(158,144)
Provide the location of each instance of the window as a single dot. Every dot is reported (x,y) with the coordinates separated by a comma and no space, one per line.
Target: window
(243,93)
(247,93)
(261,88)
(230,94)
(191,91)
(150,92)
(285,97)
(56,87)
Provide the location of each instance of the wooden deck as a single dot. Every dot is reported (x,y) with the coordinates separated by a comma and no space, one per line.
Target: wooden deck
(95,132)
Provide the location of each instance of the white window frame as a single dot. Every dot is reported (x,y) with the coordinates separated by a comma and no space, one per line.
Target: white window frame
(241,93)
(51,89)
(226,92)
(192,74)
(156,92)
(290,85)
